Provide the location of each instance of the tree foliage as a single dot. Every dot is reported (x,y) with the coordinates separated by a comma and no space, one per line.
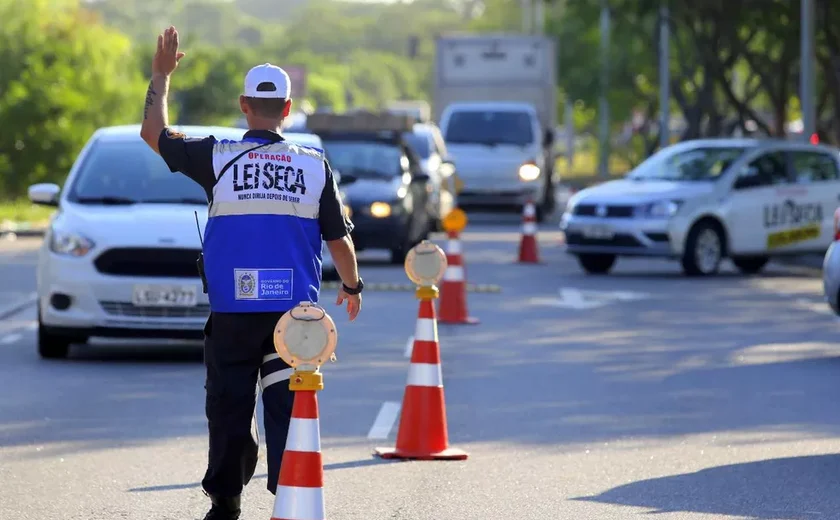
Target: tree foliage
(70,67)
(64,75)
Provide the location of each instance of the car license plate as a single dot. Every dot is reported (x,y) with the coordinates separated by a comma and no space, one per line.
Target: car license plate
(164,296)
(598,232)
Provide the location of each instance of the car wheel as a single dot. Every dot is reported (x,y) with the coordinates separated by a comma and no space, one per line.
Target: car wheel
(596,264)
(750,264)
(54,346)
(51,346)
(704,249)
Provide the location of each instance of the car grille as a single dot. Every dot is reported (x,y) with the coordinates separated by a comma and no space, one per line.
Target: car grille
(619,240)
(157,262)
(133,311)
(591,210)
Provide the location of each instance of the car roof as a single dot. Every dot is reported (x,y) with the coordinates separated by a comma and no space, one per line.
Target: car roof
(304,138)
(500,106)
(758,143)
(132,132)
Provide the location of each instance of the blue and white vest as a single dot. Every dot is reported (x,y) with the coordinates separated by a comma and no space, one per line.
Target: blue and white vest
(262,243)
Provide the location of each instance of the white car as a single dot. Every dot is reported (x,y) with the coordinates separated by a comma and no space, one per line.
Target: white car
(705,200)
(114,267)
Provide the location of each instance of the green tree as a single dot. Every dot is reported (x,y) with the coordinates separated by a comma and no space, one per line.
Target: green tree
(64,76)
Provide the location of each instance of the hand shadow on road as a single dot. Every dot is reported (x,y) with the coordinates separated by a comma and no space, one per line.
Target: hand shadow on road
(758,489)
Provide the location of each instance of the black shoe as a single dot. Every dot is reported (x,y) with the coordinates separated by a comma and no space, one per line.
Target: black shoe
(224,509)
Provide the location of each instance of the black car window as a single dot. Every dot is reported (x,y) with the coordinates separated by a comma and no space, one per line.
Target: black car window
(130,171)
(368,159)
(811,167)
(490,127)
(691,164)
(769,169)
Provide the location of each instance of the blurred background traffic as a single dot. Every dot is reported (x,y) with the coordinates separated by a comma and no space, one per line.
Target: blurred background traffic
(729,69)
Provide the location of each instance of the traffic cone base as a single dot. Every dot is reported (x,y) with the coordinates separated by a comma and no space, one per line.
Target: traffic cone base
(300,488)
(422,433)
(447,454)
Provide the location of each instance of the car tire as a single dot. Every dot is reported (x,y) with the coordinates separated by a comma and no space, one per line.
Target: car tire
(750,264)
(52,346)
(596,263)
(704,249)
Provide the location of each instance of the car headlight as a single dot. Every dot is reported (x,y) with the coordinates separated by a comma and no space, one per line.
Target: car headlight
(71,244)
(529,172)
(380,209)
(659,209)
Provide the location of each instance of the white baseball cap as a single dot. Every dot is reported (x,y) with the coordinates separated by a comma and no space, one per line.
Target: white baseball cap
(268,75)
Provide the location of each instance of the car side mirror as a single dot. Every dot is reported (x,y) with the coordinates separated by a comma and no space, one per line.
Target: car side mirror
(548,137)
(44,194)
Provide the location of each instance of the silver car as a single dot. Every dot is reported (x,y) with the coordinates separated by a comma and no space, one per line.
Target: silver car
(831,269)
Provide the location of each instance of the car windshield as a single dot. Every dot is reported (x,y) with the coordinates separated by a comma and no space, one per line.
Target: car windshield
(364,159)
(693,164)
(419,143)
(490,127)
(127,172)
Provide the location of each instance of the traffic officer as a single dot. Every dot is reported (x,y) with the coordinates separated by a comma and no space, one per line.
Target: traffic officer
(271,203)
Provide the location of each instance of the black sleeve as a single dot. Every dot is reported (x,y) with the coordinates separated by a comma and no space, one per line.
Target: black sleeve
(191,156)
(331,217)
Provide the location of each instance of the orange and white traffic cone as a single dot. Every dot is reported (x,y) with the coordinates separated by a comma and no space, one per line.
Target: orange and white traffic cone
(528,245)
(453,290)
(300,489)
(423,432)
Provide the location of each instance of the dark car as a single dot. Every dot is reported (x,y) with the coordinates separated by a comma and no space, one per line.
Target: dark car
(386,189)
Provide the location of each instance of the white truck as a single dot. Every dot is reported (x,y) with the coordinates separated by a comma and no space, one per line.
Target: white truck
(495,100)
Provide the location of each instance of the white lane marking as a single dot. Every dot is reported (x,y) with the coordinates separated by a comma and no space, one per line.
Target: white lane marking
(577,299)
(19,305)
(384,420)
(11,338)
(409,347)
(821,308)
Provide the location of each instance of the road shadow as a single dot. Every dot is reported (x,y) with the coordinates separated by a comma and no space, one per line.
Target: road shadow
(675,362)
(327,467)
(758,490)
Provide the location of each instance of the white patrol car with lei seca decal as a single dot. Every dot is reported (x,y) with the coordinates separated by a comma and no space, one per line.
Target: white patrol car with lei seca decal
(705,200)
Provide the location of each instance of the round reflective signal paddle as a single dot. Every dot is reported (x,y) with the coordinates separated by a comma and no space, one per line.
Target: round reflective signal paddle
(305,338)
(425,264)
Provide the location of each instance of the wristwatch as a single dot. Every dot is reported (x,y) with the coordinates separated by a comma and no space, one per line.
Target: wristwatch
(357,290)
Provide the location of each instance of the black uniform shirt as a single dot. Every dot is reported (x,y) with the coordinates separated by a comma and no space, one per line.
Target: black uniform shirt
(194,158)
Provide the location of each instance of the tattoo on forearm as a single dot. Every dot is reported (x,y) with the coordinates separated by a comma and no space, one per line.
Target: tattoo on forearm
(150,99)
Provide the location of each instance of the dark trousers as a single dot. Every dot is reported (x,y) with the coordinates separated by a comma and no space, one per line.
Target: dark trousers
(239,349)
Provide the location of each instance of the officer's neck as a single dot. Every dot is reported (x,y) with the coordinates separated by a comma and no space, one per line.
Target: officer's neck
(271,127)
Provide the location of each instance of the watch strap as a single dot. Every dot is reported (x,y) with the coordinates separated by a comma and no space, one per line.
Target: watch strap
(352,291)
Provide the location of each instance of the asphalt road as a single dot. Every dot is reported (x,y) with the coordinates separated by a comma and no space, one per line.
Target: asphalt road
(577,397)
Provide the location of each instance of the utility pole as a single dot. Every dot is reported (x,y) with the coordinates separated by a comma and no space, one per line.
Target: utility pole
(807,93)
(527,16)
(539,17)
(603,102)
(664,77)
